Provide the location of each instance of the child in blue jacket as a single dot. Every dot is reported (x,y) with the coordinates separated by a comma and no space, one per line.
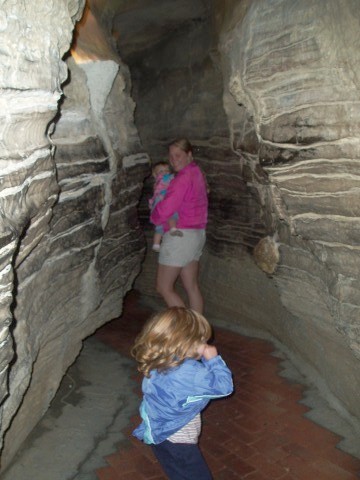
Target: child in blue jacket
(182,373)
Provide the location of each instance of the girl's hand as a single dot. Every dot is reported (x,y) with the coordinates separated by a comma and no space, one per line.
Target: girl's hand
(207,351)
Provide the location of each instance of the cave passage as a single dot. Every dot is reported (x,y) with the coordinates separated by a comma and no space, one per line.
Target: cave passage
(266,91)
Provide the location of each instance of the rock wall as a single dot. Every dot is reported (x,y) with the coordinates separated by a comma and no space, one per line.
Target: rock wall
(266,91)
(281,156)
(299,80)
(179,92)
(71,178)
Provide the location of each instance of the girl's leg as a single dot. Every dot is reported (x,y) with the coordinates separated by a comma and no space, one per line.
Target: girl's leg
(189,277)
(173,227)
(182,461)
(156,242)
(165,285)
(157,238)
(172,222)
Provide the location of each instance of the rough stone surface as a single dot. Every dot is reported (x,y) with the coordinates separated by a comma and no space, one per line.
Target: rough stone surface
(71,244)
(179,92)
(282,157)
(292,76)
(267,91)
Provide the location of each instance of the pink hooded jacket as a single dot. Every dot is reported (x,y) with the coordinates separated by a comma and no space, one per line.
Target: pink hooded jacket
(187,196)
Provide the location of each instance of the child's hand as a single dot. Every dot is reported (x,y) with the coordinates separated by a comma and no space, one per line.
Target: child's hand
(209,351)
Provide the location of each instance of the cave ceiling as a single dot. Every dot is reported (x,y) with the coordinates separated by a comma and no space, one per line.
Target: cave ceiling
(137,25)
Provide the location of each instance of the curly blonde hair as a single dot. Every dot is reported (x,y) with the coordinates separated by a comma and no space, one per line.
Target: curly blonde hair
(168,338)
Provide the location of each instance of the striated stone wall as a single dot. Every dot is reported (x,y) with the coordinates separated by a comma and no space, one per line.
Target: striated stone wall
(71,178)
(30,76)
(297,76)
(266,90)
(276,129)
(179,92)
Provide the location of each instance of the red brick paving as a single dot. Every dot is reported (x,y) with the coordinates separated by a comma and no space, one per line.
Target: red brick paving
(259,433)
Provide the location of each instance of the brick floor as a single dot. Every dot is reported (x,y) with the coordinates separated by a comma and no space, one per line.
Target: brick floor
(259,433)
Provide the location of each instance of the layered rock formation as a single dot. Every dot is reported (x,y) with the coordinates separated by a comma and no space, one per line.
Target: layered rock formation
(30,78)
(266,91)
(279,142)
(71,245)
(293,74)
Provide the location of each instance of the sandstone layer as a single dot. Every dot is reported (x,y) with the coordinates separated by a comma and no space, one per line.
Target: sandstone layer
(71,176)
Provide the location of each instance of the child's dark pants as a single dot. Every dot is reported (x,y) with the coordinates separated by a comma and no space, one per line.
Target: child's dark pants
(182,461)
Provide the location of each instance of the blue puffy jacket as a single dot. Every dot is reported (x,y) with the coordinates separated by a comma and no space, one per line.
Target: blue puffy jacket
(174,397)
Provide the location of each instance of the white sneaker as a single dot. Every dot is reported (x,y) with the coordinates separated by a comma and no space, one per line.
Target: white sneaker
(156,247)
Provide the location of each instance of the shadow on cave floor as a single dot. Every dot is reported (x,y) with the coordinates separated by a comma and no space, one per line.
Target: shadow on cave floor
(262,432)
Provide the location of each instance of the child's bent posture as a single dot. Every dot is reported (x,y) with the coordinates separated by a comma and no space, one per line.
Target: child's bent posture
(163,177)
(182,373)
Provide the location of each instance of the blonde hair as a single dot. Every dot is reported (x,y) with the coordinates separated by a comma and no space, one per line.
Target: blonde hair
(183,144)
(168,338)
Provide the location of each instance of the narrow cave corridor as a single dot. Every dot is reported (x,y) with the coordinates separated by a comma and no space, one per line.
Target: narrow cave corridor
(93,92)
